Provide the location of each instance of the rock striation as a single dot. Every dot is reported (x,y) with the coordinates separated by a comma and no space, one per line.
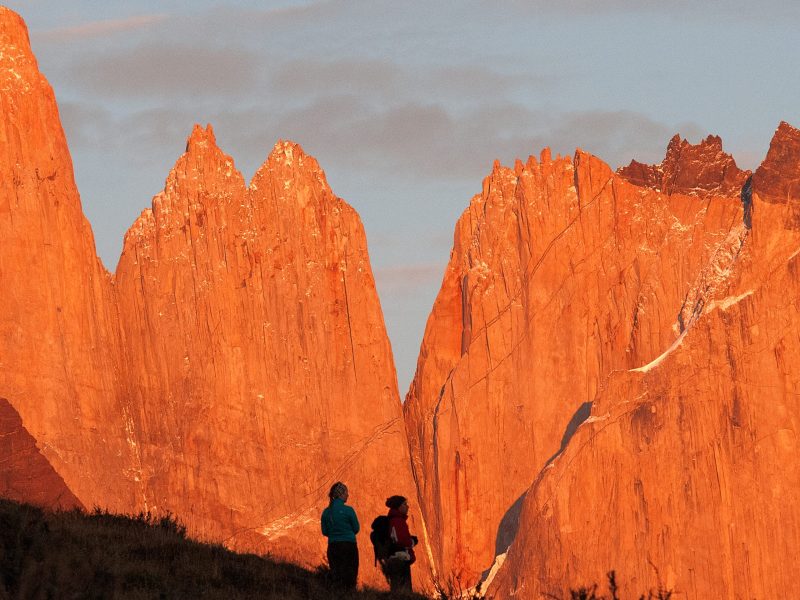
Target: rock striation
(234,366)
(562,272)
(685,474)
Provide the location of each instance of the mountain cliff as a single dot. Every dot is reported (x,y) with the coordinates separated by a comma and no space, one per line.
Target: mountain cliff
(606,379)
(234,366)
(562,272)
(59,352)
(256,354)
(685,474)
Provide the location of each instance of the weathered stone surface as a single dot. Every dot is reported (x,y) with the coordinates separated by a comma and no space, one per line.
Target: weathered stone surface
(256,353)
(58,337)
(777,179)
(561,273)
(26,475)
(237,363)
(696,170)
(235,366)
(686,473)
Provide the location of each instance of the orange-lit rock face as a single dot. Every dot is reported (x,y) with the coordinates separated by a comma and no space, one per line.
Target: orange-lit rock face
(257,353)
(692,170)
(236,365)
(778,177)
(562,272)
(686,471)
(58,346)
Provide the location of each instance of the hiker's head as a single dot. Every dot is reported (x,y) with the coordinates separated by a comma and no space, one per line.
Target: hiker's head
(338,490)
(398,503)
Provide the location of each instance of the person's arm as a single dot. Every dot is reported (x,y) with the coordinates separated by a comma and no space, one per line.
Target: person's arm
(354,521)
(324,524)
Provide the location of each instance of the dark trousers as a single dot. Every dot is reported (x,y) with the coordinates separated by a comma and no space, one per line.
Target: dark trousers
(343,561)
(398,572)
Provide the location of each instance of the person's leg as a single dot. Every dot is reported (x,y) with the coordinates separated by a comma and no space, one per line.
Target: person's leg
(335,563)
(398,572)
(392,571)
(405,579)
(350,574)
(384,565)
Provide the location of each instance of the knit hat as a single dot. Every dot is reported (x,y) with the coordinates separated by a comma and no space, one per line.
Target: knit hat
(338,490)
(395,502)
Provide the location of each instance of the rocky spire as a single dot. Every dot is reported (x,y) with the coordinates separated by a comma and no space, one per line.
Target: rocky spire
(692,169)
(777,179)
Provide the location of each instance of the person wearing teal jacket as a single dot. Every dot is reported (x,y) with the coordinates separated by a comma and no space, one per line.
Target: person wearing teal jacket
(340,526)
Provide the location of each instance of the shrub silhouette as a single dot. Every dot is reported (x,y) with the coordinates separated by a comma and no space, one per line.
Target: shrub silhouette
(590,593)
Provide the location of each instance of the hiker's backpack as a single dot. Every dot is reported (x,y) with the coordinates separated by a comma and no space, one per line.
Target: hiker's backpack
(381,538)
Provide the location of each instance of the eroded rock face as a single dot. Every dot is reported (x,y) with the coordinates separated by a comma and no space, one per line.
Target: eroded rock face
(696,170)
(777,179)
(562,272)
(257,353)
(235,366)
(686,472)
(59,359)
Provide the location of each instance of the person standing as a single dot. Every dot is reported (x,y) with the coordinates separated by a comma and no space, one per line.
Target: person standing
(397,567)
(340,526)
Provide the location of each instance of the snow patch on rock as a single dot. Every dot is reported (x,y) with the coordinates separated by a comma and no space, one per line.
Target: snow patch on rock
(726,303)
(657,361)
(281,527)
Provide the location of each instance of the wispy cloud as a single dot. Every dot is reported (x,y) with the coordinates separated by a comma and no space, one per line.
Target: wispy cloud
(310,76)
(410,275)
(297,8)
(95,29)
(679,9)
(85,124)
(245,19)
(388,81)
(418,141)
(157,69)
(431,141)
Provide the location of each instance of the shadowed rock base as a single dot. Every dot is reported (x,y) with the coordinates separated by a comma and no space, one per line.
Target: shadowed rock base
(26,475)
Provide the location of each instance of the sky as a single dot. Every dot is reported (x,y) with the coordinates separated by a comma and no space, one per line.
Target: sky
(405,105)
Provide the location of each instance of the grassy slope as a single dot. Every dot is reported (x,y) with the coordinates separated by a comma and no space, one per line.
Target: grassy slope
(78,555)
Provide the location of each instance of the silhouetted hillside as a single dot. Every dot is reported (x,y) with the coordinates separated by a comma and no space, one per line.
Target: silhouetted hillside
(77,555)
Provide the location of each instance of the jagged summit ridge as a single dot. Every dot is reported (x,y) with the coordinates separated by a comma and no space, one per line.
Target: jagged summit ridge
(288,162)
(288,174)
(201,137)
(777,179)
(14,39)
(693,169)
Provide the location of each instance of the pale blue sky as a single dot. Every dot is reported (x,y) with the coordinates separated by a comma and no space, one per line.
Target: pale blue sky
(405,104)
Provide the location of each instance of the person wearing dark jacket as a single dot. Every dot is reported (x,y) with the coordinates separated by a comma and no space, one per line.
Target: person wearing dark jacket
(398,566)
(340,526)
